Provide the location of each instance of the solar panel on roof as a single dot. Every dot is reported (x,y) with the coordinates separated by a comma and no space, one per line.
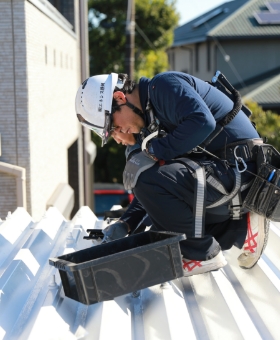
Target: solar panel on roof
(268,18)
(273,6)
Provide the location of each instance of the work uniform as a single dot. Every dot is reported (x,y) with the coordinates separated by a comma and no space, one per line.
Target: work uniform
(187,109)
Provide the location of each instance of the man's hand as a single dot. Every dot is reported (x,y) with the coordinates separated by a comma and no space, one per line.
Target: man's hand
(134,167)
(115,231)
(123,138)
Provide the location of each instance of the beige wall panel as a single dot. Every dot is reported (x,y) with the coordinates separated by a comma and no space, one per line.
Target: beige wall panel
(184,59)
(52,84)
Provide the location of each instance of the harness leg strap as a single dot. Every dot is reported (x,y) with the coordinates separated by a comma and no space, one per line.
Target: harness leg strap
(235,207)
(199,196)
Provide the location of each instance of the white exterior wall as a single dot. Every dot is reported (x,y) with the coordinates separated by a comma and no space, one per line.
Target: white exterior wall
(52,86)
(247,59)
(37,117)
(202,71)
(184,59)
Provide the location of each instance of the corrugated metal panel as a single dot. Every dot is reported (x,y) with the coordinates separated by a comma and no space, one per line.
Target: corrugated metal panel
(268,93)
(243,23)
(236,20)
(231,303)
(187,33)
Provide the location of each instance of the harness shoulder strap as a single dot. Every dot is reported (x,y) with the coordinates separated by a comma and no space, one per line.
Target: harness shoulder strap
(237,106)
(153,129)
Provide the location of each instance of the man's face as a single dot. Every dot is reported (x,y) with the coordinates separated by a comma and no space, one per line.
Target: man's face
(127,121)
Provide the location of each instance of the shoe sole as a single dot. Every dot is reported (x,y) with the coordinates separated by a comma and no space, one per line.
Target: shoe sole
(266,233)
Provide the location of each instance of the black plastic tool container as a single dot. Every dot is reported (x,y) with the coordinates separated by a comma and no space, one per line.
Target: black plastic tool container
(105,271)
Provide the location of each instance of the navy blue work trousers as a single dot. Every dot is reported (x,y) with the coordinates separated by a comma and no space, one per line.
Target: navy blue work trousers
(167,194)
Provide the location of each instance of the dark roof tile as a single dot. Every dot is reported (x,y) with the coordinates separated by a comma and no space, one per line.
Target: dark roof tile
(231,20)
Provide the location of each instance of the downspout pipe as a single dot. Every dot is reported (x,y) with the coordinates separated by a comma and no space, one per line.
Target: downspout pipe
(20,175)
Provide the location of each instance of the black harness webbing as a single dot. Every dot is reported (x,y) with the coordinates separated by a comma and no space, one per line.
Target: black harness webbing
(237,105)
(199,206)
(228,196)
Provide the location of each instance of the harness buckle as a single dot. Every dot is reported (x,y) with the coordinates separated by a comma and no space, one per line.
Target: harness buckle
(235,211)
(198,149)
(239,160)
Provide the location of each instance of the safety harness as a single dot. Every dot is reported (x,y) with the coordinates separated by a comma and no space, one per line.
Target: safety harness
(239,153)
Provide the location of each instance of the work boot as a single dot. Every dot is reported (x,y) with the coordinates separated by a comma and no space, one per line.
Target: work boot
(193,267)
(256,240)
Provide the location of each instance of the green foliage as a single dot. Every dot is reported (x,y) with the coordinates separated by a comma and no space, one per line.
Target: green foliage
(155,22)
(151,62)
(110,161)
(267,123)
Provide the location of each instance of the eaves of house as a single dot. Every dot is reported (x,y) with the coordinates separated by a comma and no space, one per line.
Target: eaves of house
(266,92)
(259,80)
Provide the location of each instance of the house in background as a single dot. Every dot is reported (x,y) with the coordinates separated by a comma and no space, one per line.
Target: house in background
(45,155)
(241,39)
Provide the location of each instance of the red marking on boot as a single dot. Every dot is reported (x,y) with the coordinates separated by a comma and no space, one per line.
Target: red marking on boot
(250,241)
(190,265)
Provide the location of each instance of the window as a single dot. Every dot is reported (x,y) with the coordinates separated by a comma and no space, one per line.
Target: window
(197,57)
(208,56)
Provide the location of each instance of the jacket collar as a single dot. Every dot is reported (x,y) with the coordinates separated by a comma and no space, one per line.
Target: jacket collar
(143,94)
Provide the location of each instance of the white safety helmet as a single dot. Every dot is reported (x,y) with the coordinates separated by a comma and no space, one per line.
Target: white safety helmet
(94,103)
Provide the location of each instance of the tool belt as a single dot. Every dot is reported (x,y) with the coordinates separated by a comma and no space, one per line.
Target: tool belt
(243,149)
(264,194)
(263,197)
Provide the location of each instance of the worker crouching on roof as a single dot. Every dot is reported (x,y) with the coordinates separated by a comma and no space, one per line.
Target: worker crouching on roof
(171,119)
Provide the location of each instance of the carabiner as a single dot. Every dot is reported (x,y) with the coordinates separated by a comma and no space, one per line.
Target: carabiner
(239,160)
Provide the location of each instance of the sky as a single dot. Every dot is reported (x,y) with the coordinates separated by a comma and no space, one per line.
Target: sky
(190,9)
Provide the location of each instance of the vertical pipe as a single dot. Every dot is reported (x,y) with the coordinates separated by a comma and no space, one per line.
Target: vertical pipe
(86,135)
(14,71)
(21,189)
(130,39)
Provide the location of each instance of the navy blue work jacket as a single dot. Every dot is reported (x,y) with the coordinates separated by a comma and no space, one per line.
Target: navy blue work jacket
(188,109)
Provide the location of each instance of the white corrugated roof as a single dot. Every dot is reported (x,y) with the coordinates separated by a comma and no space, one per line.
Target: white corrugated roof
(231,303)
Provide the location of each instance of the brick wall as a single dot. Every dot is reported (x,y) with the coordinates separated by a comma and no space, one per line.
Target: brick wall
(37,117)
(13,108)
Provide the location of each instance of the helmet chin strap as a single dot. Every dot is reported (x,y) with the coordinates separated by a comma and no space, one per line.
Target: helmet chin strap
(134,108)
(131,106)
